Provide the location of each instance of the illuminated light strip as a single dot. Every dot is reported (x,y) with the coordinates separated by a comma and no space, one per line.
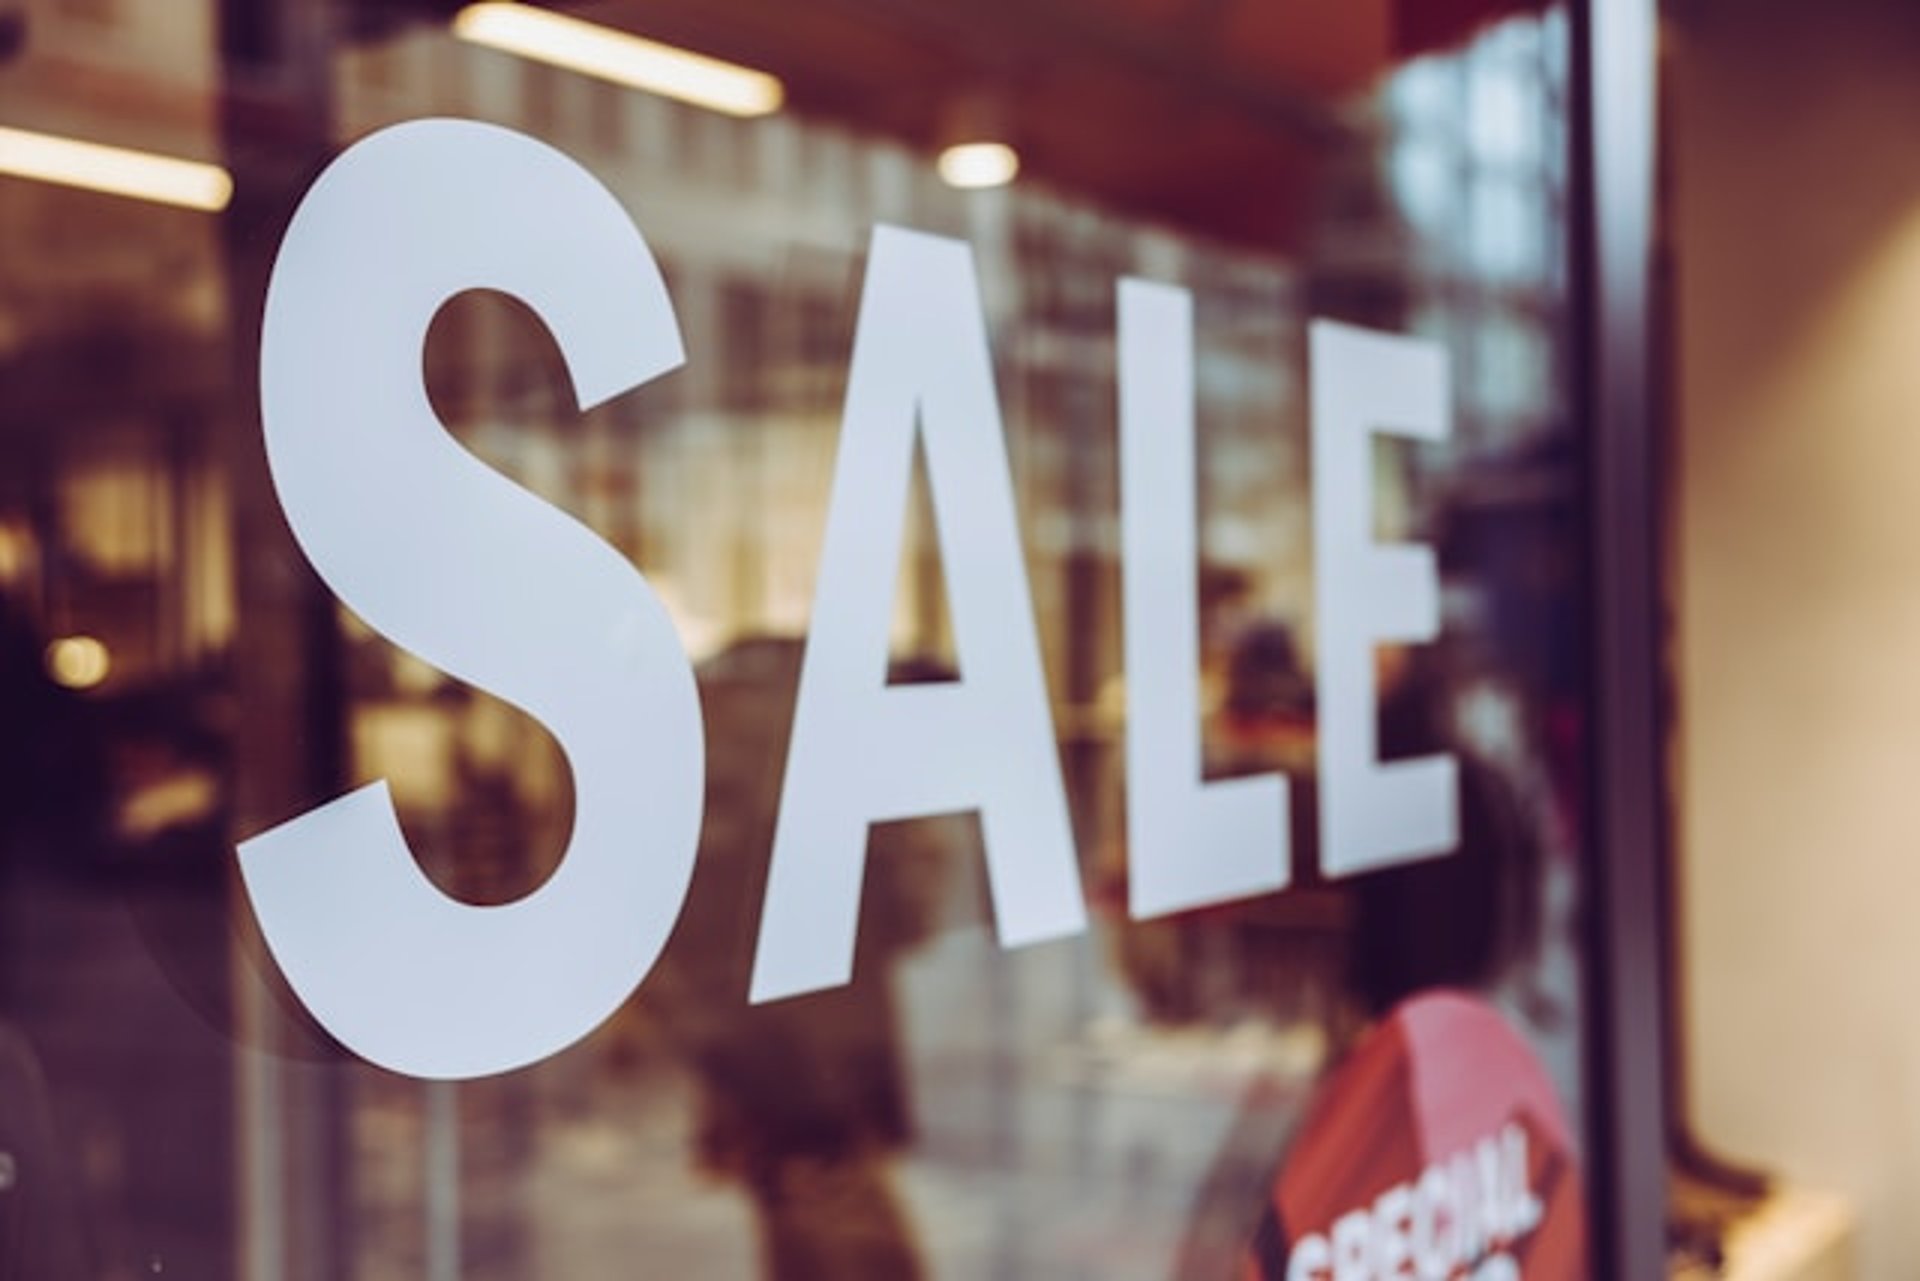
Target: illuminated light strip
(116,170)
(594,50)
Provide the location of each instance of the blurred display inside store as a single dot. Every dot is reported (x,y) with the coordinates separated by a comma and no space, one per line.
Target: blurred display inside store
(1114,1105)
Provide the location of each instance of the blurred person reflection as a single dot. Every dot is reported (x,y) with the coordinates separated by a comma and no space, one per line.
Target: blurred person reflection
(1454,922)
(804,1102)
(1276,962)
(1458,921)
(1363,944)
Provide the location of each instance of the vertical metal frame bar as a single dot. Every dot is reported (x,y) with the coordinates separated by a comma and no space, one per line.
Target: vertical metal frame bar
(293,1203)
(1614,113)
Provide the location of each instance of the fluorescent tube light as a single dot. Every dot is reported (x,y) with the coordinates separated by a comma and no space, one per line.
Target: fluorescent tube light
(594,50)
(117,170)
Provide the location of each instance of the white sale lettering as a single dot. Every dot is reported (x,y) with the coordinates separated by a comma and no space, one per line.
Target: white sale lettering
(449,560)
(984,741)
(1188,843)
(454,563)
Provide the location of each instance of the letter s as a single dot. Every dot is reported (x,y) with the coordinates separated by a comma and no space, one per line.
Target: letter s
(453,562)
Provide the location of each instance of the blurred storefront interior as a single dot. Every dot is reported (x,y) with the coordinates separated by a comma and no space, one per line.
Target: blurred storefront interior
(1123,1103)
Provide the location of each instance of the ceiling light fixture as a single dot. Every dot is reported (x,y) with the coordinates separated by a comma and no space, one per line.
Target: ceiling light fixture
(591,49)
(973,133)
(118,171)
(971,165)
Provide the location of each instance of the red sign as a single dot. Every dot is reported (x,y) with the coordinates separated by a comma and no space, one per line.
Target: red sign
(1439,1152)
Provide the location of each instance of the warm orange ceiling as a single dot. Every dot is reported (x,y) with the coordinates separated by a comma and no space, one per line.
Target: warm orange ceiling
(1211,114)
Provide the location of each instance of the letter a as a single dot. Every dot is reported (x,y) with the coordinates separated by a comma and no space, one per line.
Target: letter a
(864,751)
